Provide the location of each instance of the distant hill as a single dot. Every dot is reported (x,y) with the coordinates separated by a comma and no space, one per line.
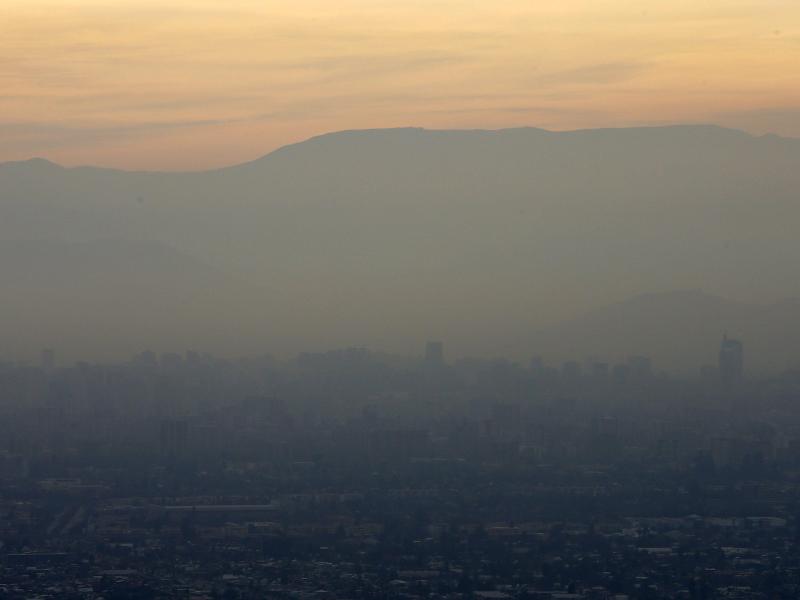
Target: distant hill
(680,330)
(388,237)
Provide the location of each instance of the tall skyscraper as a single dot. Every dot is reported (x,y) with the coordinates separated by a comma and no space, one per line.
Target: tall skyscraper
(174,436)
(48,360)
(434,354)
(571,370)
(640,366)
(536,365)
(731,360)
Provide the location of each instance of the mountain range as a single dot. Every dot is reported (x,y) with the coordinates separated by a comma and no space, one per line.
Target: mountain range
(490,240)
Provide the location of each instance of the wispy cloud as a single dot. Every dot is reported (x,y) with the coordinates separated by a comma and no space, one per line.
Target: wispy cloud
(83,72)
(594,74)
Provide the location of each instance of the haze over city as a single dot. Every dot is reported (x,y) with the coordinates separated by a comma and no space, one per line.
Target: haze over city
(417,300)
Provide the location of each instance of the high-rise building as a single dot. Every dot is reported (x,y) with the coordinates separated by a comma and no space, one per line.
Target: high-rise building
(641,366)
(174,436)
(571,370)
(434,354)
(731,360)
(48,360)
(600,370)
(536,365)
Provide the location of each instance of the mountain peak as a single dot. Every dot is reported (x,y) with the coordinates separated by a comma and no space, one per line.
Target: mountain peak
(35,163)
(403,136)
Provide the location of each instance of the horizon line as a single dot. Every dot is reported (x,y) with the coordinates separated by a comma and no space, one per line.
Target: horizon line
(49,162)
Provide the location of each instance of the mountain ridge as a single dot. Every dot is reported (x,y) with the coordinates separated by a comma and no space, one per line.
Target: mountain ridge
(647,324)
(340,134)
(393,236)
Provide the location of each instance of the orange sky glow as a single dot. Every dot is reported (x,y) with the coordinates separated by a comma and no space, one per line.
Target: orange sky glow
(193,84)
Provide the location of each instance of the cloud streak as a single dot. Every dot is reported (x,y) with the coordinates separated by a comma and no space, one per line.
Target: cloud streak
(174,70)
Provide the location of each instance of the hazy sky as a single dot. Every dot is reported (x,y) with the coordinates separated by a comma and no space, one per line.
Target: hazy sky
(187,84)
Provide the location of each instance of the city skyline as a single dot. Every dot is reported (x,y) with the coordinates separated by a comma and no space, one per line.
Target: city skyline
(418,300)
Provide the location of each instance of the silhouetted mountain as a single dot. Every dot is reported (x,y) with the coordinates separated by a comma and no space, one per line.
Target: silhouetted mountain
(681,330)
(386,237)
